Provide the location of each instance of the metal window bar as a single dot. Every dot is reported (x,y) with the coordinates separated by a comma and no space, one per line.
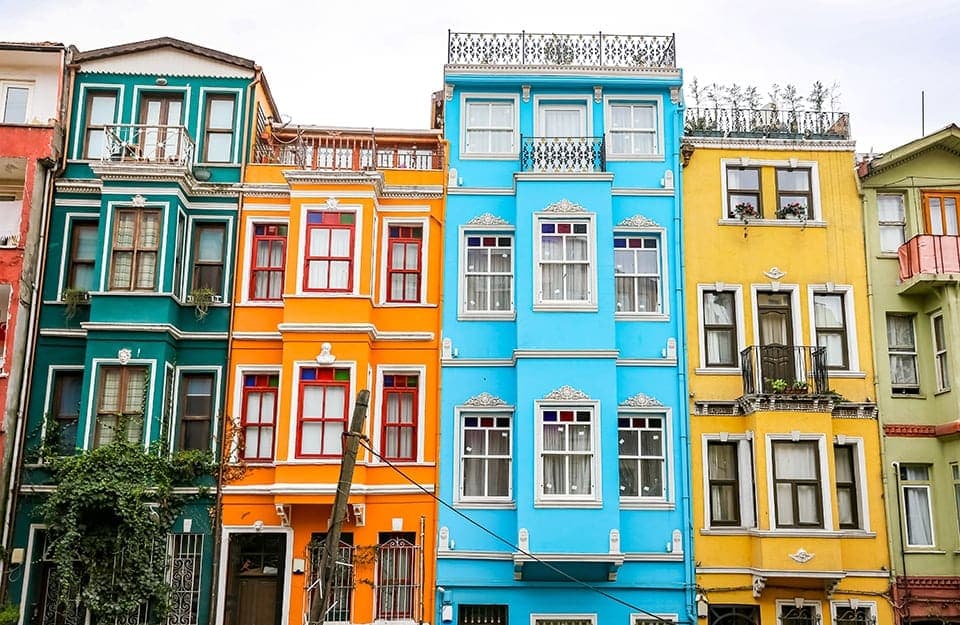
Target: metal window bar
(854,616)
(54,612)
(183,575)
(805,615)
(398,581)
(340,607)
(760,365)
(142,614)
(482,615)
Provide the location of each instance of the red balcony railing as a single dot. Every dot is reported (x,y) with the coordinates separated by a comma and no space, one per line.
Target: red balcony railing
(929,254)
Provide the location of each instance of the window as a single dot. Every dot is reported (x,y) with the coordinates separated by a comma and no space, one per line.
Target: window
(403,269)
(723,476)
(323,411)
(208,257)
(400,407)
(830,324)
(329,257)
(940,353)
(642,455)
(955,471)
(397,586)
(65,409)
(566,619)
(733,615)
(915,492)
(567,452)
(794,196)
(178,253)
(743,193)
(490,127)
(633,129)
(136,239)
(340,609)
(488,274)
(121,400)
(83,255)
(892,220)
(218,130)
(719,329)
(848,615)
(848,502)
(796,478)
(482,614)
(644,619)
(196,410)
(790,614)
(16,101)
(565,265)
(941,213)
(186,554)
(637,273)
(485,456)
(267,262)
(902,349)
(100,111)
(259,416)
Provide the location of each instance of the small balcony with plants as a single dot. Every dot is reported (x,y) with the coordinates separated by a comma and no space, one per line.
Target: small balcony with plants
(785,374)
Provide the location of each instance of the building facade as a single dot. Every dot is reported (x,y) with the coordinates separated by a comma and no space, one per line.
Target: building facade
(910,219)
(338,290)
(137,281)
(789,524)
(564,446)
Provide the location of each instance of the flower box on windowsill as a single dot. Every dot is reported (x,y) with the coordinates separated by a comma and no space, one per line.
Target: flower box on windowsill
(214,299)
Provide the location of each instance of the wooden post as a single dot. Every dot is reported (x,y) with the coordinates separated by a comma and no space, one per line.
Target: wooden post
(323,588)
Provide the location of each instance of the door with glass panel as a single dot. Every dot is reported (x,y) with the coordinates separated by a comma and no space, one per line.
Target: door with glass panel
(161,118)
(561,144)
(941,213)
(777,351)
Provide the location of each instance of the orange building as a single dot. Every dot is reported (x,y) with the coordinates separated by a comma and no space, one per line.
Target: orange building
(338,290)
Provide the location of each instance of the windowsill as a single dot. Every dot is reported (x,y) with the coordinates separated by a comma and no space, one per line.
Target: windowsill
(217,164)
(916,551)
(846,374)
(567,503)
(566,307)
(480,505)
(780,532)
(888,255)
(787,223)
(639,504)
(942,391)
(324,294)
(26,125)
(627,158)
(907,396)
(476,316)
(405,305)
(717,371)
(641,317)
(489,157)
(257,304)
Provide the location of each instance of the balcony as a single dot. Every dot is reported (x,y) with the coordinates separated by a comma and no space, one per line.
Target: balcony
(350,153)
(142,143)
(565,50)
(927,260)
(784,370)
(562,154)
(766,123)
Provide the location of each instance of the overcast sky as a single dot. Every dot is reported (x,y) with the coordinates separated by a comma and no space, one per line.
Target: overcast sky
(375,62)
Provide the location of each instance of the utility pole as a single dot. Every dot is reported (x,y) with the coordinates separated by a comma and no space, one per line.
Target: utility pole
(322,589)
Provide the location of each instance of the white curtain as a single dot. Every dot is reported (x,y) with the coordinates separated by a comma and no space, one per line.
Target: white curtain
(554,464)
(563,123)
(917,502)
(936,216)
(796,462)
(333,411)
(722,465)
(311,432)
(950,212)
(340,248)
(773,329)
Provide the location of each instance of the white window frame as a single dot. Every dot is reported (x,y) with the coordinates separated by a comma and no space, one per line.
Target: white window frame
(477,98)
(940,352)
(737,291)
(237,402)
(301,252)
(579,305)
(955,474)
(824,477)
(201,124)
(569,501)
(540,619)
(294,412)
(901,352)
(377,422)
(791,603)
(881,224)
(216,398)
(486,231)
(849,321)
(836,606)
(666,471)
(745,480)
(860,479)
(386,223)
(663,314)
(461,412)
(93,395)
(609,101)
(636,618)
(5,86)
(189,256)
(926,485)
(815,216)
(563,102)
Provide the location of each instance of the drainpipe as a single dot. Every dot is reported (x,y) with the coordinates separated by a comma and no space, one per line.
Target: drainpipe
(903,551)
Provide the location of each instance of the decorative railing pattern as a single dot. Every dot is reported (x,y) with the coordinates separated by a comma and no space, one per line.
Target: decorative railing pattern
(349,153)
(561,154)
(766,122)
(586,50)
(144,143)
(784,369)
(929,253)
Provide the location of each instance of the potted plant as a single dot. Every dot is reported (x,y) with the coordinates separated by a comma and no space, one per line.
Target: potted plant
(778,385)
(72,299)
(201,298)
(745,211)
(792,210)
(799,387)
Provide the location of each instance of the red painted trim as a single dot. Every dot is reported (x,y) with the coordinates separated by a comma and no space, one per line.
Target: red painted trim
(325,384)
(948,429)
(245,422)
(909,430)
(255,268)
(307,258)
(391,270)
(386,425)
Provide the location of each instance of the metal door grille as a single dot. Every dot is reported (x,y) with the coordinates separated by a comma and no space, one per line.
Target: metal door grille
(398,582)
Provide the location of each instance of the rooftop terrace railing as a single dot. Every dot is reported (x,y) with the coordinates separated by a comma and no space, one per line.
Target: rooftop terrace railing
(766,122)
(341,152)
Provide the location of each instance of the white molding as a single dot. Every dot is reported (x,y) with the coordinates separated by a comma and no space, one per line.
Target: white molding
(488,410)
(817,605)
(239,112)
(746,480)
(794,291)
(95,366)
(355,328)
(737,291)
(376,422)
(824,474)
(83,113)
(657,101)
(668,499)
(286,580)
(835,605)
(638,225)
(106,250)
(640,191)
(481,191)
(385,224)
(48,392)
(535,617)
(776,145)
(487,225)
(850,321)
(562,101)
(594,498)
(294,411)
(301,252)
(239,371)
(216,395)
(249,222)
(773,573)
(324,489)
(514,99)
(552,214)
(152,327)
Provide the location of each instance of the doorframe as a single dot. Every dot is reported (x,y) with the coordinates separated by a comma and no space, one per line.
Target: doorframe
(561,99)
(228,531)
(794,290)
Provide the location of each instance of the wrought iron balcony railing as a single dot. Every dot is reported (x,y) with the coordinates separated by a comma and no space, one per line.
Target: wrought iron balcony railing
(784,369)
(143,143)
(538,49)
(562,154)
(936,254)
(350,153)
(766,122)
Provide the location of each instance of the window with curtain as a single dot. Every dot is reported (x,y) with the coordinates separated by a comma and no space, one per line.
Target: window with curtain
(329,255)
(196,410)
(121,404)
(848,501)
(400,417)
(565,267)
(488,273)
(719,329)
(642,455)
(267,261)
(259,415)
(917,511)
(397,583)
(83,255)
(723,474)
(208,246)
(831,328)
(567,452)
(632,129)
(941,213)
(637,273)
(323,411)
(485,455)
(136,242)
(404,270)
(892,221)
(796,480)
(902,350)
(489,127)
(940,353)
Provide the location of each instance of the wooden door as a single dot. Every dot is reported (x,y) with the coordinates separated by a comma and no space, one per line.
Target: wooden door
(777,350)
(161,117)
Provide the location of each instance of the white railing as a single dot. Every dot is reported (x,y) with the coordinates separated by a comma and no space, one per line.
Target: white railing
(142,143)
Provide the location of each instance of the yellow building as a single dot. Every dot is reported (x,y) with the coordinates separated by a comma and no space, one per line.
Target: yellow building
(789,528)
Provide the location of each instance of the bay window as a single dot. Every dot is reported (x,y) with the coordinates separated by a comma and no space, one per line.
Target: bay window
(121,403)
(797,487)
(136,243)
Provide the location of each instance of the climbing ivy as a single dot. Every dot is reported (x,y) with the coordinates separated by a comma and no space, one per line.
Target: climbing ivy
(107,523)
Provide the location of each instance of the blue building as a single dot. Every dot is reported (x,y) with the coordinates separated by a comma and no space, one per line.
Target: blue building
(564,422)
